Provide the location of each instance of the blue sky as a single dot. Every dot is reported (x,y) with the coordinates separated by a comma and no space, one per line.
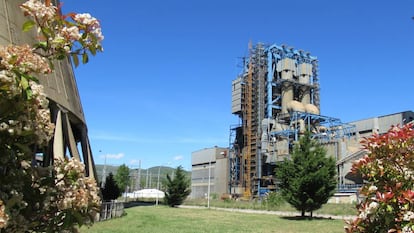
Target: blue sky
(162,87)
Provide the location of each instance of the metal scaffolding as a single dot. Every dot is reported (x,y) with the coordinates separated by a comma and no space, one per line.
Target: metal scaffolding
(277,99)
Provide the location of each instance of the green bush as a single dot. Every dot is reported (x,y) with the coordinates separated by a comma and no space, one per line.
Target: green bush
(214,196)
(273,200)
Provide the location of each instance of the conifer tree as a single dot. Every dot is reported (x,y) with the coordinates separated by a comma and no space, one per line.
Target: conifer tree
(178,188)
(111,190)
(308,179)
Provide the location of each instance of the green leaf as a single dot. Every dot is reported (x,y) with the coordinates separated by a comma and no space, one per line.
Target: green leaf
(47,32)
(75,59)
(30,77)
(85,58)
(23,148)
(51,65)
(60,56)
(29,93)
(24,83)
(28,25)
(41,45)
(92,49)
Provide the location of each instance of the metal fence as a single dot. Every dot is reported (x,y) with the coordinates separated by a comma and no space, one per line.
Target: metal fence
(111,210)
(349,188)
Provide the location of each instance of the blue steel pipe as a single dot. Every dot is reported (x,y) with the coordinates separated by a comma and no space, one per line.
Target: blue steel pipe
(271,53)
(270,73)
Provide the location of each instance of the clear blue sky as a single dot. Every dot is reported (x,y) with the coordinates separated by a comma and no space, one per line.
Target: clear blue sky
(162,87)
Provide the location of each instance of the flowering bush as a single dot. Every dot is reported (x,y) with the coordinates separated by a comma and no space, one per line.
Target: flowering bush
(388,171)
(74,197)
(61,35)
(33,198)
(75,191)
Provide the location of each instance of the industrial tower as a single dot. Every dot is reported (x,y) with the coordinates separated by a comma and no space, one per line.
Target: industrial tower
(277,99)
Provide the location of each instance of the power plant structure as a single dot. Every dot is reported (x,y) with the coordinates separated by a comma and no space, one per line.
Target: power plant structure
(71,134)
(277,99)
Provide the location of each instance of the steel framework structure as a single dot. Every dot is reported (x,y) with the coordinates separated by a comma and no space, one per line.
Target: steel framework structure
(277,98)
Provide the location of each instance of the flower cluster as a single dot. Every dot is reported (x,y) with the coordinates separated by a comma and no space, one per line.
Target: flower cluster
(75,191)
(89,24)
(388,171)
(33,118)
(76,195)
(39,10)
(23,59)
(77,36)
(8,82)
(3,216)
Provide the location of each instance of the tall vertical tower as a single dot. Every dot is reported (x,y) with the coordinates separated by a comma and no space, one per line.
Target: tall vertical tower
(277,99)
(61,90)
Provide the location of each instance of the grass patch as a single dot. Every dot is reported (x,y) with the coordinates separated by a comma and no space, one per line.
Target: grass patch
(331,209)
(156,219)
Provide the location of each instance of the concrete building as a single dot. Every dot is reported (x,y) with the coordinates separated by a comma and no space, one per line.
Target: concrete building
(366,128)
(71,134)
(209,172)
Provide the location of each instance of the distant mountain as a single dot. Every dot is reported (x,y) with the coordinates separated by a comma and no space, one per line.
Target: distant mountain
(148,178)
(99,170)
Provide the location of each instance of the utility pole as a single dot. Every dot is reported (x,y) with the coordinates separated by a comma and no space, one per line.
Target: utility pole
(146,183)
(158,184)
(138,177)
(208,187)
(103,173)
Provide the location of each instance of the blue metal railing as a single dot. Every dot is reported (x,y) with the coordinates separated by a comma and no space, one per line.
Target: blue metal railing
(349,188)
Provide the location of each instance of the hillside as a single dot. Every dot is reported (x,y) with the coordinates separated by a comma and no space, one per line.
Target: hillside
(148,177)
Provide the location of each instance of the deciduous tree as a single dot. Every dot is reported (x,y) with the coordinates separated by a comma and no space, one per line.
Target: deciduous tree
(122,177)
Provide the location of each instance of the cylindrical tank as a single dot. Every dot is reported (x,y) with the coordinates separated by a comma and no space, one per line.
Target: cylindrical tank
(304,72)
(305,96)
(310,108)
(295,106)
(60,88)
(286,66)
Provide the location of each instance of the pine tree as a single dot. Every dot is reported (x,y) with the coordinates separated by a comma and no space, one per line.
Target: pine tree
(308,179)
(111,190)
(178,188)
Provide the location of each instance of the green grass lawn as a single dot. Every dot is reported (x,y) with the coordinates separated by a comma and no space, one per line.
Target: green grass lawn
(153,219)
(329,208)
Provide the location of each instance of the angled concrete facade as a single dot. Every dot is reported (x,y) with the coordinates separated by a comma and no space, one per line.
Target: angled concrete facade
(71,136)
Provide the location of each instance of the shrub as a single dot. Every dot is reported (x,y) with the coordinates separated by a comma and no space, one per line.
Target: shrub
(389,178)
(273,200)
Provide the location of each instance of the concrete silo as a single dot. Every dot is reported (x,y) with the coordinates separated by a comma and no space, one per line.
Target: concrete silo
(71,136)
